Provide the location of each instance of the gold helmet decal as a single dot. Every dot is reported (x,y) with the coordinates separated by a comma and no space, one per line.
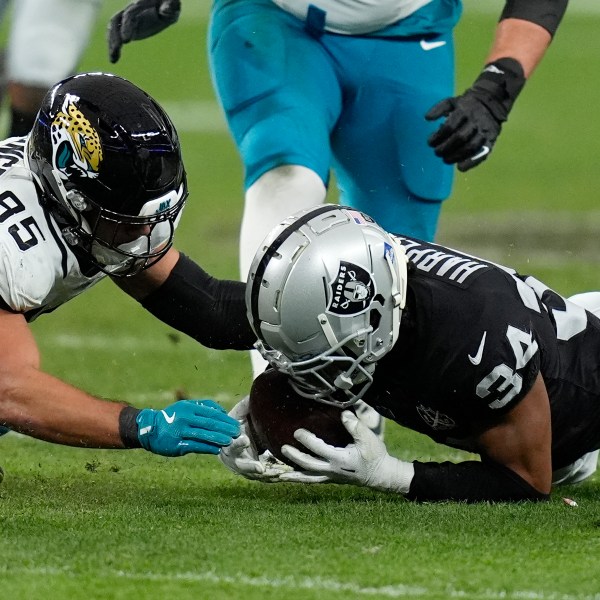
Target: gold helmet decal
(76,148)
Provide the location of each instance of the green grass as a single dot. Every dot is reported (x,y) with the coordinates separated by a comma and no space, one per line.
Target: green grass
(111,525)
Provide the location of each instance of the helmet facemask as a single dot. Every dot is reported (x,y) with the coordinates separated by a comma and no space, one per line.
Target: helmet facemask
(327,302)
(117,244)
(322,377)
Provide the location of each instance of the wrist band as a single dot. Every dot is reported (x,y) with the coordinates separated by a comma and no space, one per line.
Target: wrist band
(128,429)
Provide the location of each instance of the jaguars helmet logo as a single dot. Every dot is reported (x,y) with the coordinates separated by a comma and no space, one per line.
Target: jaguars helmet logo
(76,148)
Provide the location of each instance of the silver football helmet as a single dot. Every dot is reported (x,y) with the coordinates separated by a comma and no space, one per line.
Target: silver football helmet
(325,296)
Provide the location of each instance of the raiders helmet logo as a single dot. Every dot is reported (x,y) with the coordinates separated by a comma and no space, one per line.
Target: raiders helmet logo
(75,143)
(351,291)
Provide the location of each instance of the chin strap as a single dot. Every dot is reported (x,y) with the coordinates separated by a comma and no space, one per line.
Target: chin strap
(328,330)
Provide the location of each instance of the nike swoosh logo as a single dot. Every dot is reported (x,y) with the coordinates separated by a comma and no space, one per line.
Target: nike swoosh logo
(483,152)
(168,419)
(493,69)
(431,45)
(475,360)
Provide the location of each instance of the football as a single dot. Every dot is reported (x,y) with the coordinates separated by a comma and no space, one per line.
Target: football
(276,411)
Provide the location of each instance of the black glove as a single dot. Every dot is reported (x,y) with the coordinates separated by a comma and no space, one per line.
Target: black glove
(473,120)
(140,19)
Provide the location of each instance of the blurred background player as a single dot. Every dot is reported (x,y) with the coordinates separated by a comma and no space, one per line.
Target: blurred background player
(46,41)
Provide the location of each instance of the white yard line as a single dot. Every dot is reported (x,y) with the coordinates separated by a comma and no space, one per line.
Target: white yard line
(196,116)
(111,342)
(105,342)
(302,583)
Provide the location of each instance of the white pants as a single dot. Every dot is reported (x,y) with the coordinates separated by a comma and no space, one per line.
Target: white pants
(576,472)
(47,39)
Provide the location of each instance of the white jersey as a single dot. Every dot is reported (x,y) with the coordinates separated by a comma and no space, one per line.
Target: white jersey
(355,17)
(38,270)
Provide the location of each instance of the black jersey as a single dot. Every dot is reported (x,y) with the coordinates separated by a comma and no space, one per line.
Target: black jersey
(473,338)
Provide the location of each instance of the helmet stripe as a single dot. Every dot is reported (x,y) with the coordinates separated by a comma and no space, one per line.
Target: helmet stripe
(271,251)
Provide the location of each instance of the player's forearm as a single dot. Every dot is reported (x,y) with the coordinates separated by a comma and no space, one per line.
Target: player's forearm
(521,40)
(525,31)
(210,310)
(41,406)
(469,481)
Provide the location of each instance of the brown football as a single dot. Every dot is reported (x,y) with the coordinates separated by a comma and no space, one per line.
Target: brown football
(276,411)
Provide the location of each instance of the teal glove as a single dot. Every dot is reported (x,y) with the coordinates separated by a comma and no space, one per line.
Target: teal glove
(200,426)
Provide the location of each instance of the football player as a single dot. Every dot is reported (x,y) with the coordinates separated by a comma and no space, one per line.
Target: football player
(468,352)
(96,190)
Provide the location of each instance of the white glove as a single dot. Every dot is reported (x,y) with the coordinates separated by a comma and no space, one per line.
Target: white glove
(366,462)
(242,457)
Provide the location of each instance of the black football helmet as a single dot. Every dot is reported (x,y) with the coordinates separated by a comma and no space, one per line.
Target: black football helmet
(108,159)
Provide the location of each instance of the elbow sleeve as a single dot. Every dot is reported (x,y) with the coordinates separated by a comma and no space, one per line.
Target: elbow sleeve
(212,311)
(470,481)
(545,13)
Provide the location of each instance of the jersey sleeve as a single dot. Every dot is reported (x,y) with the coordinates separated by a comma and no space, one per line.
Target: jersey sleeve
(27,249)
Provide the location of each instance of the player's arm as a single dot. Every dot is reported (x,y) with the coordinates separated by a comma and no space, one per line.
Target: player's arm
(525,42)
(522,440)
(474,119)
(37,404)
(181,294)
(516,461)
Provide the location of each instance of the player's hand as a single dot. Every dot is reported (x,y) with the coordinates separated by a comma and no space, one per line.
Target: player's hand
(469,132)
(365,462)
(242,457)
(139,20)
(474,119)
(200,426)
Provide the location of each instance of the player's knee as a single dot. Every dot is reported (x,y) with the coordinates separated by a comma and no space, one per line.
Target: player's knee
(290,185)
(588,300)
(578,471)
(274,196)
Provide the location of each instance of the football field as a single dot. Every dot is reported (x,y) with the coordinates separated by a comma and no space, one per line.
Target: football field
(112,525)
